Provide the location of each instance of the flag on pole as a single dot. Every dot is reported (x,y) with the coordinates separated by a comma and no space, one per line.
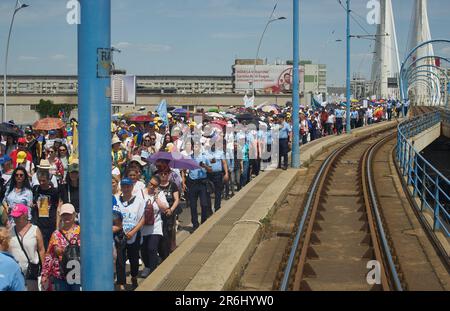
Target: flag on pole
(74,155)
(162,111)
(249,102)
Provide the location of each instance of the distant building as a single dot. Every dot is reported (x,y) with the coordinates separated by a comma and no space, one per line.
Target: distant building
(63,85)
(119,93)
(360,87)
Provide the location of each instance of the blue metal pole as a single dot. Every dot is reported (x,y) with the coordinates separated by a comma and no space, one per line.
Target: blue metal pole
(295,89)
(348,128)
(94,63)
(448,92)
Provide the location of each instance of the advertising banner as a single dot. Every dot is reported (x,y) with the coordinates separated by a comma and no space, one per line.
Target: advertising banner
(272,79)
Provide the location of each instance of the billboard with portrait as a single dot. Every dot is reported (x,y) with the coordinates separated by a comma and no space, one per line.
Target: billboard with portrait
(272,79)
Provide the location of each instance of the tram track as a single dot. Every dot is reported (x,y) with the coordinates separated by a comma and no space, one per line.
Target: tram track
(341,231)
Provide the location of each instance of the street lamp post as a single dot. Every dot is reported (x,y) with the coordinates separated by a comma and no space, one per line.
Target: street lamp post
(271,20)
(295,88)
(348,127)
(17,8)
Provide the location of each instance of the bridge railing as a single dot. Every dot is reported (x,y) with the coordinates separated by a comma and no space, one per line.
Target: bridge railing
(427,183)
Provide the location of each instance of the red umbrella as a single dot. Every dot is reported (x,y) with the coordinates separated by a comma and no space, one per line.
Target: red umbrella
(141,118)
(220,122)
(48,124)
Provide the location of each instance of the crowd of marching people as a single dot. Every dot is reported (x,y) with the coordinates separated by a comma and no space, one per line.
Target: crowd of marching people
(168,164)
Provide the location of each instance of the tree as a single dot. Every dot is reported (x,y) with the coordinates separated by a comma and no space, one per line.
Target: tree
(46,108)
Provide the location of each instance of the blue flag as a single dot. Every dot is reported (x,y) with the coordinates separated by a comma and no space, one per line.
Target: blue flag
(315,103)
(162,111)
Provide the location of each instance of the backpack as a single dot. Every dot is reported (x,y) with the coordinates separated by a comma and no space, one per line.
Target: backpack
(71,252)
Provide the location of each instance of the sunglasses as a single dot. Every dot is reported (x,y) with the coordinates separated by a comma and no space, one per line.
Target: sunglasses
(62,150)
(20,175)
(153,185)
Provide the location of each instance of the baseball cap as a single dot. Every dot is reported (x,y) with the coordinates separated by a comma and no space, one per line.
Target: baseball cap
(22,140)
(74,167)
(52,132)
(126,182)
(21,157)
(67,209)
(19,210)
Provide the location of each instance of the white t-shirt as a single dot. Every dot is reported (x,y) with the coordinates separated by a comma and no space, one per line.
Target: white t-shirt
(139,189)
(115,171)
(131,214)
(331,118)
(157,227)
(35,181)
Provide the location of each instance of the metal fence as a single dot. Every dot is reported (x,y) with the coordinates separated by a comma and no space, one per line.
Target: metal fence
(427,183)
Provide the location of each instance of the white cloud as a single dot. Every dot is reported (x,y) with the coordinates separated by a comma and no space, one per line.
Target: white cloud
(28,58)
(58,57)
(122,45)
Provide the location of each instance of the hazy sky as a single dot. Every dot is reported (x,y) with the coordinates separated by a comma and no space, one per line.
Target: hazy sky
(191,37)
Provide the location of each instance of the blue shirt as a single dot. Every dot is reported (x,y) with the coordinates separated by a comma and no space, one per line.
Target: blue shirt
(11,277)
(284,131)
(354,114)
(218,156)
(199,173)
(339,113)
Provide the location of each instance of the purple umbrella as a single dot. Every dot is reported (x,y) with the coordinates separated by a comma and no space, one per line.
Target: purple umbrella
(179,111)
(176,160)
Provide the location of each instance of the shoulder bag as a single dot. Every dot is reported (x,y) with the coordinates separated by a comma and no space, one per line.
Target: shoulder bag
(33,270)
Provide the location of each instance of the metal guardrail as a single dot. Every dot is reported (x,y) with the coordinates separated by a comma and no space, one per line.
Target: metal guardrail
(428,184)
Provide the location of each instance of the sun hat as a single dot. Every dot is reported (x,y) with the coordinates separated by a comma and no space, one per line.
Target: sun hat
(115,140)
(67,209)
(137,158)
(21,157)
(19,210)
(44,165)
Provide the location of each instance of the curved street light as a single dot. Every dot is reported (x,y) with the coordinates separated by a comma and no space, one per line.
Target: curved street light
(17,8)
(271,20)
